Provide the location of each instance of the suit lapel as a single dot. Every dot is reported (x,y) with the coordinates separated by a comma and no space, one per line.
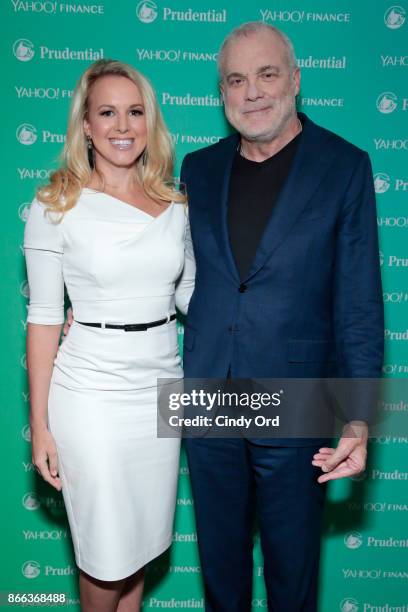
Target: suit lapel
(218,207)
(308,169)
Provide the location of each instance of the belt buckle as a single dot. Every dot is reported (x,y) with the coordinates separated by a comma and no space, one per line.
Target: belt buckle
(129,327)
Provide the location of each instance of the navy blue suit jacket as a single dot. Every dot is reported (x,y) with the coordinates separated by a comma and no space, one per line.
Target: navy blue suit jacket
(311,304)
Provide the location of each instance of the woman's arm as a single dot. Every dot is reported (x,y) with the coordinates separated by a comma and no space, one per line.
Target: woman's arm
(185,284)
(42,346)
(43,251)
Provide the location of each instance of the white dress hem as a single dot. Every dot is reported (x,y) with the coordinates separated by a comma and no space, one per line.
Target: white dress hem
(102,573)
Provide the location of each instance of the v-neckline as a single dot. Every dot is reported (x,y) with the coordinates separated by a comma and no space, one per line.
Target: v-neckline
(108,195)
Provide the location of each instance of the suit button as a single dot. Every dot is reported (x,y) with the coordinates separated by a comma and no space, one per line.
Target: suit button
(242,288)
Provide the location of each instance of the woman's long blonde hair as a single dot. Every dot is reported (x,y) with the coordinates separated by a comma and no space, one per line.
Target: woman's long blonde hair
(154,168)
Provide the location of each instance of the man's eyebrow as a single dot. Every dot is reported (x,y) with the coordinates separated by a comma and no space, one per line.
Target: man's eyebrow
(259,71)
(268,67)
(234,74)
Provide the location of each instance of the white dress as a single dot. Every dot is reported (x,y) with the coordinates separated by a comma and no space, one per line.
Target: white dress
(119,265)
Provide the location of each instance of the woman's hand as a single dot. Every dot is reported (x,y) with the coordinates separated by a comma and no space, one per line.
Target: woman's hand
(44,456)
(68,323)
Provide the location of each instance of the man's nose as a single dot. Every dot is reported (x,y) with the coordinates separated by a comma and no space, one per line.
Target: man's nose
(253,91)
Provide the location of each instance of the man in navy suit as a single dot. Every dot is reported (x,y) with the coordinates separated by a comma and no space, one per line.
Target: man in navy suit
(284,230)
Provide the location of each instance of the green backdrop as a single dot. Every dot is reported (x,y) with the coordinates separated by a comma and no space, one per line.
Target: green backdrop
(354,59)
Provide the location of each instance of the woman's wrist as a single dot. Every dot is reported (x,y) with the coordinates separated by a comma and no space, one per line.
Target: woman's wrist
(38,424)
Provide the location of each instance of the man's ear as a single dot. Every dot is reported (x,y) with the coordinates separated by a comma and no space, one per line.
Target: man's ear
(222,91)
(296,79)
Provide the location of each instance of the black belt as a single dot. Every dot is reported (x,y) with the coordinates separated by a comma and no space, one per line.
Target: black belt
(131,326)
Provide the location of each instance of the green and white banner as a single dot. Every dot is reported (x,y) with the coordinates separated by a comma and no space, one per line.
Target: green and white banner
(354,60)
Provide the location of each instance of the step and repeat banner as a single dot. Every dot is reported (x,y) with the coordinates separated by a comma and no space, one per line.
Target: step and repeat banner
(354,60)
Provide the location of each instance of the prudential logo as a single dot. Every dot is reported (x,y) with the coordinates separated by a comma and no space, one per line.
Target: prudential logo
(147,11)
(353,540)
(382,182)
(31,569)
(387,102)
(23,50)
(349,605)
(394,17)
(26,134)
(31,501)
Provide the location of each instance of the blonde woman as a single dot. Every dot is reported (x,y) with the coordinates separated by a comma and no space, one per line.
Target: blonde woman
(111,227)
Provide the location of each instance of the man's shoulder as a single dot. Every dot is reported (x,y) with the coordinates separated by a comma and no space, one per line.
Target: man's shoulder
(342,148)
(213,151)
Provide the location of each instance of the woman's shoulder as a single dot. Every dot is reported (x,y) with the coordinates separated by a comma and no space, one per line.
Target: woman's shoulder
(42,213)
(178,213)
(181,208)
(42,228)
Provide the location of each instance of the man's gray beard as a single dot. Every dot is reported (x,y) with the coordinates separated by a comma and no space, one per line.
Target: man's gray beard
(276,130)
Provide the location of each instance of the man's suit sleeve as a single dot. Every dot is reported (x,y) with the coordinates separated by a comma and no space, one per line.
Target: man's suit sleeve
(184,171)
(357,299)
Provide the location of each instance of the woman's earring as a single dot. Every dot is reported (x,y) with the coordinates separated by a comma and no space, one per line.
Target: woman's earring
(91,153)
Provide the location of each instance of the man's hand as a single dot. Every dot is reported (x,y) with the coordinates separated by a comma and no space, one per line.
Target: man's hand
(349,458)
(68,323)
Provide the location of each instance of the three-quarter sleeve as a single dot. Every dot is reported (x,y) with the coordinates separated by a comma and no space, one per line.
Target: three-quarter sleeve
(43,247)
(185,284)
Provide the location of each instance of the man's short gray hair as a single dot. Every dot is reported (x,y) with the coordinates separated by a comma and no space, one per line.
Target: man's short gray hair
(253,27)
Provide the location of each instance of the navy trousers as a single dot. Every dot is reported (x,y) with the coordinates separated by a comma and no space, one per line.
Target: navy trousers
(236,480)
